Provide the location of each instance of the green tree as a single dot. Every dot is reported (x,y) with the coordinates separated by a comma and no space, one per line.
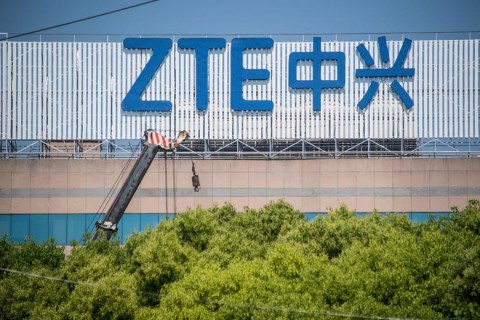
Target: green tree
(30,255)
(24,294)
(161,260)
(257,264)
(111,297)
(461,269)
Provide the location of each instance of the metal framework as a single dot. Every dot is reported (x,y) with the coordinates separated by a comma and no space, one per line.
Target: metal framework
(247,149)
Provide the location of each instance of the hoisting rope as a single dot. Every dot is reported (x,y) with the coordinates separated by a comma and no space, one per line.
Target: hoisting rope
(166,183)
(174,184)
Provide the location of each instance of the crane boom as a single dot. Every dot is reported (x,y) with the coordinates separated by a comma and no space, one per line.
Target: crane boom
(154,142)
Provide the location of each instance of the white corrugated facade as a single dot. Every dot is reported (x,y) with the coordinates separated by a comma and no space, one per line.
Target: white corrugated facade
(72,90)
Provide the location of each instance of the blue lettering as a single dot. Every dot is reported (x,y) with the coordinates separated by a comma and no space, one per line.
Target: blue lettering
(397,70)
(201,47)
(160,49)
(317,84)
(239,74)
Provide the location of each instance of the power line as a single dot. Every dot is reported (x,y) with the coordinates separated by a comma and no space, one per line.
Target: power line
(80,20)
(230,304)
(35,275)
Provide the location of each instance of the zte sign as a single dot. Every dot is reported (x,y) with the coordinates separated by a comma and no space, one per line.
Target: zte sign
(239,75)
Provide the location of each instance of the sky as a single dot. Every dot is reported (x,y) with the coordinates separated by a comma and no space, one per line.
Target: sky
(257,17)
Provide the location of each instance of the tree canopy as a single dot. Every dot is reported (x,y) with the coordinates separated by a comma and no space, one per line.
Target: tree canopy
(271,263)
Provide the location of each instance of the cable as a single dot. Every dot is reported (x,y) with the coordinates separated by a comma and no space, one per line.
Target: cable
(34,275)
(230,304)
(174,183)
(166,183)
(110,193)
(79,20)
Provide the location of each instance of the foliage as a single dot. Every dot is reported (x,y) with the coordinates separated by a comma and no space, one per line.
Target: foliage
(270,263)
(30,255)
(23,297)
(111,297)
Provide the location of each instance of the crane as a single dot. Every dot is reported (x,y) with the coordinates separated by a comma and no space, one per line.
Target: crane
(154,141)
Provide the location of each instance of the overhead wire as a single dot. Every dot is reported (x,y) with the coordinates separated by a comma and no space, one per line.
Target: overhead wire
(231,304)
(79,20)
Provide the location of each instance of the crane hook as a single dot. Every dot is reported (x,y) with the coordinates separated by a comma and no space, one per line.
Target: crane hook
(195,179)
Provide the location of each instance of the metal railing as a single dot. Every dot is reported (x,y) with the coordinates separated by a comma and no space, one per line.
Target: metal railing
(327,36)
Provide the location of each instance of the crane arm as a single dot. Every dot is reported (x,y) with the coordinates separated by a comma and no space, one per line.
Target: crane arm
(120,204)
(110,222)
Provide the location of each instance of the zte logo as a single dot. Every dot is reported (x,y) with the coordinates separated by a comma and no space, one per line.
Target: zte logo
(239,75)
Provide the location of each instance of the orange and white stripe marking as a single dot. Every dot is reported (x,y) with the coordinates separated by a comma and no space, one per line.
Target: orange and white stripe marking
(155,138)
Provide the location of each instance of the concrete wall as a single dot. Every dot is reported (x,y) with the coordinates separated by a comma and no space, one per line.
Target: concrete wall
(401,185)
